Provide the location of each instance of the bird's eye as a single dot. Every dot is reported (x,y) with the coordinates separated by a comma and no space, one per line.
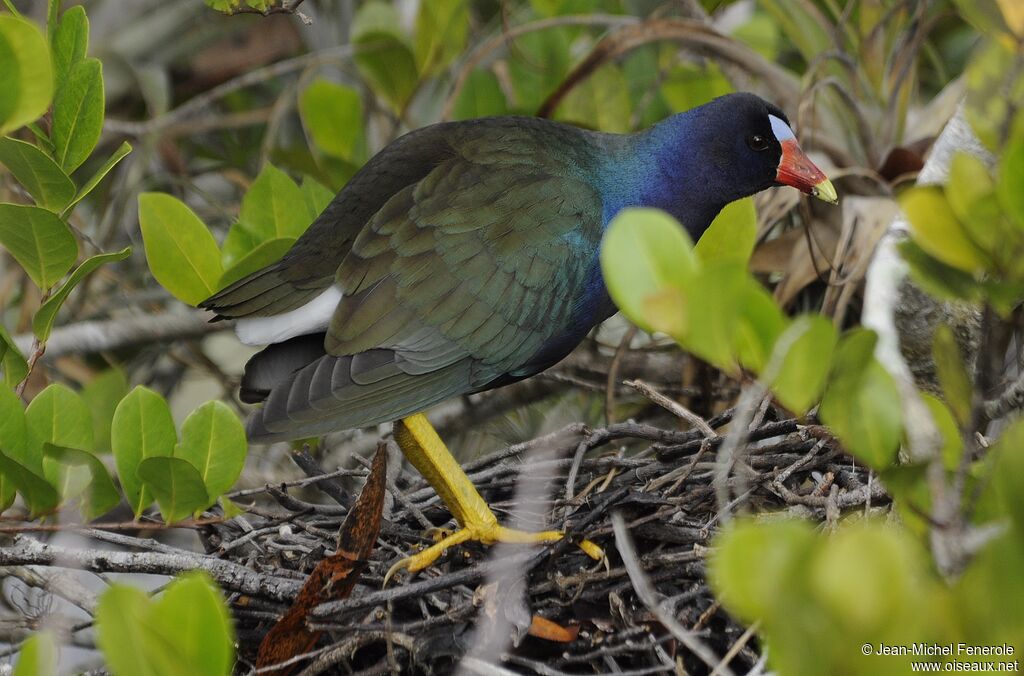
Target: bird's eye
(757,142)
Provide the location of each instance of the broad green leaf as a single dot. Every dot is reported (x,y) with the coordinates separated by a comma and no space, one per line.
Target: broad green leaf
(384,57)
(687,86)
(316,195)
(480,96)
(12,363)
(936,229)
(887,569)
(952,442)
(957,387)
(101,495)
(862,404)
(14,441)
(142,428)
(441,28)
(937,278)
(39,495)
(192,613)
(806,362)
(333,115)
(47,183)
(969,181)
(112,161)
(180,250)
(42,322)
(537,66)
(601,101)
(102,394)
(59,415)
(994,91)
(751,563)
(40,241)
(714,306)
(176,484)
(127,633)
(644,251)
(274,206)
(239,241)
(213,440)
(70,43)
(26,75)
(758,327)
(1009,454)
(803,26)
(732,235)
(258,258)
(1011,178)
(186,632)
(38,656)
(78,114)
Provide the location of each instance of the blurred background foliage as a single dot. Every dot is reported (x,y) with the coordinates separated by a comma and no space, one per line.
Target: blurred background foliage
(189,143)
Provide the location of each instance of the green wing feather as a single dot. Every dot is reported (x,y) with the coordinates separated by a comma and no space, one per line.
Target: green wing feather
(458,279)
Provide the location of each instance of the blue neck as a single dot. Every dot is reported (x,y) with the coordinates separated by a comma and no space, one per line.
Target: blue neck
(660,168)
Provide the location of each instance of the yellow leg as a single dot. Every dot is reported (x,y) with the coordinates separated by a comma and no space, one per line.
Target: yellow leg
(428,454)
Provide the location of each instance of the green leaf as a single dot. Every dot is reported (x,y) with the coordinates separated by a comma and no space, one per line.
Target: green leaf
(26,76)
(102,394)
(1009,455)
(47,183)
(59,415)
(643,252)
(112,161)
(142,428)
(14,442)
(687,86)
(38,656)
(937,278)
(181,252)
(956,384)
(39,495)
(126,633)
(193,613)
(803,26)
(101,495)
(952,442)
(441,29)
(70,43)
(994,91)
(316,195)
(42,322)
(1011,178)
(213,440)
(601,101)
(936,229)
(747,555)
(806,364)
(537,66)
(177,485)
(40,241)
(12,362)
(186,632)
(481,96)
(384,57)
(759,325)
(78,114)
(862,404)
(258,258)
(274,206)
(714,302)
(732,235)
(333,116)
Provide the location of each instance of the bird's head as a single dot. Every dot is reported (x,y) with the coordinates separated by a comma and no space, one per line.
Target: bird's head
(749,142)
